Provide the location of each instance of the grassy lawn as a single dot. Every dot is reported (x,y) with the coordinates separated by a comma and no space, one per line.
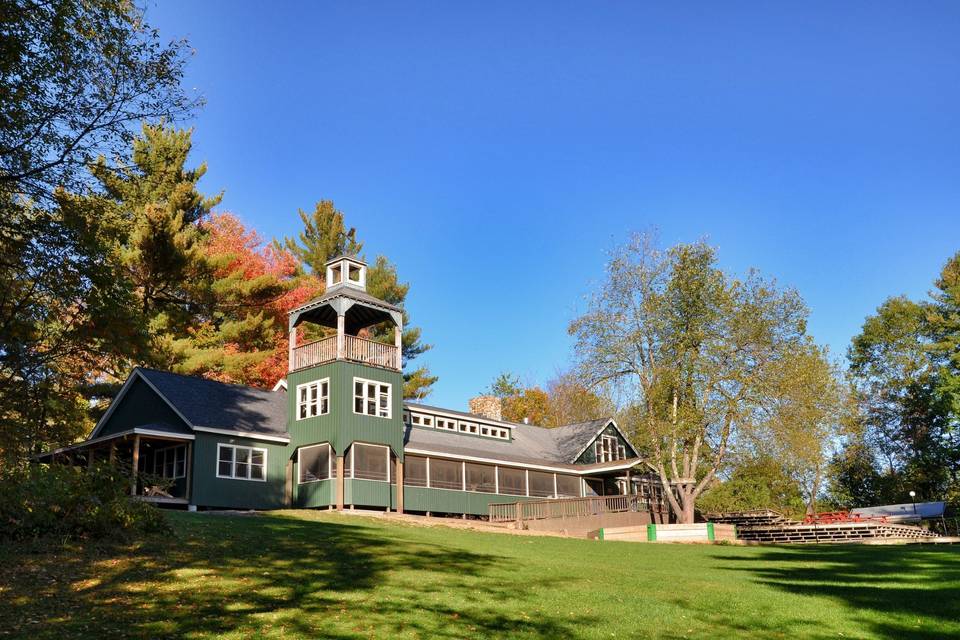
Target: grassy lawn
(310,574)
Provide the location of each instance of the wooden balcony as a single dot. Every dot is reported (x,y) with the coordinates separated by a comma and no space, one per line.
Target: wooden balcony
(354,349)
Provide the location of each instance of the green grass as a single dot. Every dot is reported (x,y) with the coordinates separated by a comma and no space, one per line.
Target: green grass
(310,574)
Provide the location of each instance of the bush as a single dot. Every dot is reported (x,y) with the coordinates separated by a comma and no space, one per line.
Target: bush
(67,503)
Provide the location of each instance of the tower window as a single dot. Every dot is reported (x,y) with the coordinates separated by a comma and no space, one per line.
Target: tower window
(449,425)
(371,398)
(313,399)
(314,463)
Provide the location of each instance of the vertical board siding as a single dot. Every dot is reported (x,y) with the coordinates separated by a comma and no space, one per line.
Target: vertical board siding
(341,426)
(141,406)
(453,501)
(211,491)
(368,493)
(314,494)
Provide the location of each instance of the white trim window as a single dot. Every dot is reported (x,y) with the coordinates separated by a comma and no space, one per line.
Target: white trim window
(608,449)
(449,425)
(469,427)
(241,463)
(170,462)
(372,398)
(370,461)
(421,420)
(313,399)
(315,463)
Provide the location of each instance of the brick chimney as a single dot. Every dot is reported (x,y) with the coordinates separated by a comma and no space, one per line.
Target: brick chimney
(488,407)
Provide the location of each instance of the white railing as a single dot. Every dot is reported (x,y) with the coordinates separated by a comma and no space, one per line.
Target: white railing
(354,349)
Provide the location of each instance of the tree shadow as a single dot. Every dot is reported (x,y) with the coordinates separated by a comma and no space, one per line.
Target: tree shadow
(265,576)
(896,591)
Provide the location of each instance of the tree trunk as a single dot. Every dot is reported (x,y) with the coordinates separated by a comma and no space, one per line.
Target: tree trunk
(686,516)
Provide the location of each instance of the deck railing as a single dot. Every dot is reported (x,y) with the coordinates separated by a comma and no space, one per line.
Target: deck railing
(355,349)
(566,508)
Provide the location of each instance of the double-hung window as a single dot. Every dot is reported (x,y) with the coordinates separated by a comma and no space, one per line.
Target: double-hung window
(313,399)
(371,398)
(241,463)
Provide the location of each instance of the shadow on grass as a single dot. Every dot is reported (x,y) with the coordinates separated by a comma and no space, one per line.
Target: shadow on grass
(897,591)
(266,576)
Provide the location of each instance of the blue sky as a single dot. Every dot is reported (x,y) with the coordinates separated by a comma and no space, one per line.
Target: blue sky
(495,150)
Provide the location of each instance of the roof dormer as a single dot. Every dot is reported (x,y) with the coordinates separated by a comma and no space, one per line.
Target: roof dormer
(347,271)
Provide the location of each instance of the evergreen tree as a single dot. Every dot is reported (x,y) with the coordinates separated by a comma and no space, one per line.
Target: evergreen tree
(324,237)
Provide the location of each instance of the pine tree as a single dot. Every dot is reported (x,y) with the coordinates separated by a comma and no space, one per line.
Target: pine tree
(324,237)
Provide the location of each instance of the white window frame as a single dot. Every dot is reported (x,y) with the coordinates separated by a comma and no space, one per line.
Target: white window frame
(425,420)
(233,462)
(608,448)
(469,427)
(167,451)
(353,461)
(319,384)
(330,471)
(445,424)
(365,382)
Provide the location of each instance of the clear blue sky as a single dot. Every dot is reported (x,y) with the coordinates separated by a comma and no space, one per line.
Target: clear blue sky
(495,150)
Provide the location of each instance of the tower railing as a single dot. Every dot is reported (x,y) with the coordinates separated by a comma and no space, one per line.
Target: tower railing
(355,349)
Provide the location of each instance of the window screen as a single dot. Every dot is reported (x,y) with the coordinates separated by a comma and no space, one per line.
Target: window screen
(513,482)
(541,484)
(415,471)
(347,458)
(446,474)
(568,486)
(481,477)
(370,462)
(315,463)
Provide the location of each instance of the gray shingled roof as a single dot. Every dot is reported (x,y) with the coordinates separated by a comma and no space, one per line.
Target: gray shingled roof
(347,291)
(208,403)
(530,443)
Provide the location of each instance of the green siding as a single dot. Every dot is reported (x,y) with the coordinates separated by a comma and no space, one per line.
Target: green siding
(589,455)
(140,406)
(315,494)
(369,493)
(341,426)
(453,501)
(211,491)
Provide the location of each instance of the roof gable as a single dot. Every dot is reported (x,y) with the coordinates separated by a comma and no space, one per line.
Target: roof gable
(206,405)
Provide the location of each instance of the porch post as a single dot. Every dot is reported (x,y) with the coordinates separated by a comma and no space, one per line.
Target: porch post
(291,346)
(136,465)
(629,483)
(288,485)
(90,453)
(399,486)
(113,451)
(189,464)
(340,482)
(341,329)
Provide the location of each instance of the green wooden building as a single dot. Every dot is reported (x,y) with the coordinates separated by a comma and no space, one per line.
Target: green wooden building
(337,433)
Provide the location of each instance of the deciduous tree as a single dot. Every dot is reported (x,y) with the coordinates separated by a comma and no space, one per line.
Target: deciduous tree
(691,349)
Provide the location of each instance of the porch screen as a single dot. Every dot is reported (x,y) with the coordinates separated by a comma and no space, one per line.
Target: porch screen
(513,482)
(446,474)
(347,458)
(541,484)
(480,477)
(568,486)
(370,461)
(314,463)
(415,471)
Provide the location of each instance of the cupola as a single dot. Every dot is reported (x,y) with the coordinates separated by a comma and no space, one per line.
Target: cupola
(346,271)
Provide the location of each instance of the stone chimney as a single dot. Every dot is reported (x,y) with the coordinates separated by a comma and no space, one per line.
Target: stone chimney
(488,407)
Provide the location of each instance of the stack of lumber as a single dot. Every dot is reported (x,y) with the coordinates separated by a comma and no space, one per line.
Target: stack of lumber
(773,527)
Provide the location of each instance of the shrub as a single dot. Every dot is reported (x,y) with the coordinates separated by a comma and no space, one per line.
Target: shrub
(67,502)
